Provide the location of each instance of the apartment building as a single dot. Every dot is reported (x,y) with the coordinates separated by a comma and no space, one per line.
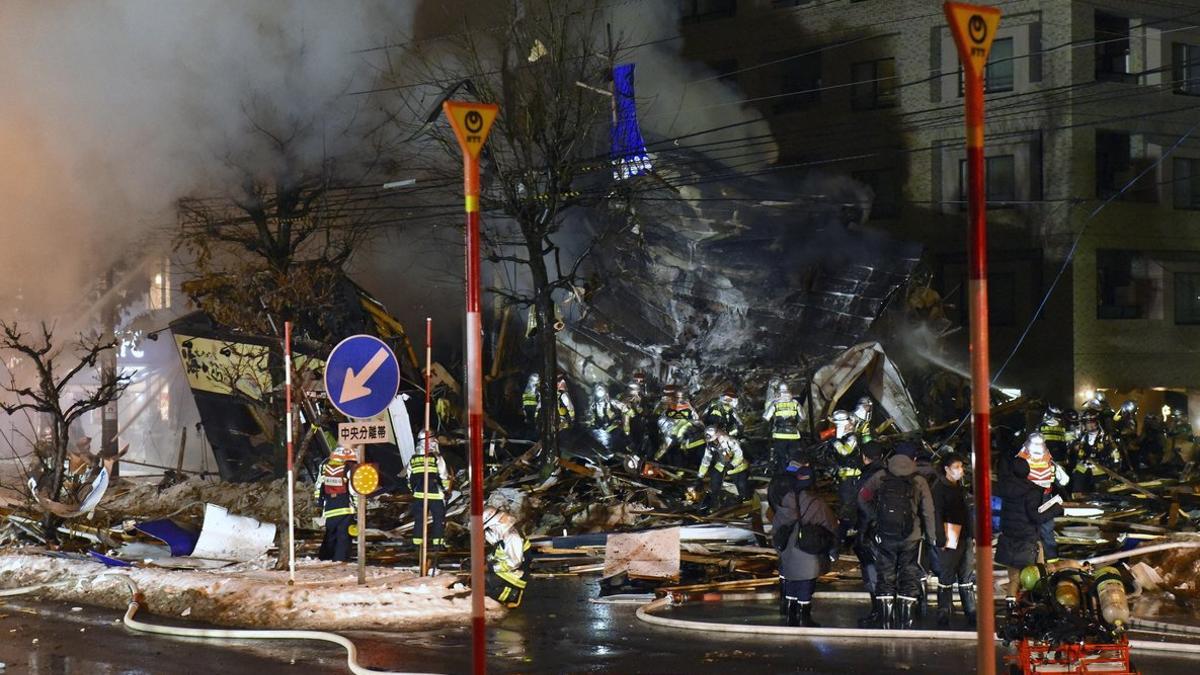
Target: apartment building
(1082,96)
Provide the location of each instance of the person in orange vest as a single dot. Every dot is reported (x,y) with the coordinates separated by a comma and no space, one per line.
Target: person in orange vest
(1046,474)
(332,493)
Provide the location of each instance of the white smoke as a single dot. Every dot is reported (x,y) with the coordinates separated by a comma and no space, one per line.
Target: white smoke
(112,110)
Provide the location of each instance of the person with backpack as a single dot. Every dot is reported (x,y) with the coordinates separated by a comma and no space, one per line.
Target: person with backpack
(1022,512)
(804,532)
(955,542)
(872,458)
(901,506)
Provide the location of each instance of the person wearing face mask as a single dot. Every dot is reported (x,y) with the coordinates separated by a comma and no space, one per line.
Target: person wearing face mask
(1049,476)
(803,531)
(955,540)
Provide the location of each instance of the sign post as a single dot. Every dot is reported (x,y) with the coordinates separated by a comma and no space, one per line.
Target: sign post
(471,123)
(974,28)
(291,454)
(425,450)
(362,377)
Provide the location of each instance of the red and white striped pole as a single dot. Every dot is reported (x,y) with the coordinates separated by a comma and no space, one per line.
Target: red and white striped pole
(425,450)
(471,123)
(974,28)
(291,454)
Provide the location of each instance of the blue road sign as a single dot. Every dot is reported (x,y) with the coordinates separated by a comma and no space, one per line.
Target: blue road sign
(362,376)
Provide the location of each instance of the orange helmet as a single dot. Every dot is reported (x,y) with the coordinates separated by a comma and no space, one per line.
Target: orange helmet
(343,454)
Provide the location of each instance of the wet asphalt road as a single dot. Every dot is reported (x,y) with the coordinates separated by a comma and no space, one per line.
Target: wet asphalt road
(557,631)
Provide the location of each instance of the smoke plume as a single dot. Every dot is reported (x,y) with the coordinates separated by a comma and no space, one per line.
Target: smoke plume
(114,110)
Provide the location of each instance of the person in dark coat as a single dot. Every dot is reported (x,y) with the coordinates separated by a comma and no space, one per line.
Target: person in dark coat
(886,496)
(955,540)
(872,457)
(1022,513)
(804,530)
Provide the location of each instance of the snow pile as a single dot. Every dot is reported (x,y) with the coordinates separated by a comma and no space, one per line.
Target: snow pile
(325,596)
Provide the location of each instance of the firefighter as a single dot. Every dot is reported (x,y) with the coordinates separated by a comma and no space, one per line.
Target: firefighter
(1152,440)
(332,493)
(1125,434)
(1054,434)
(508,560)
(605,417)
(722,413)
(564,408)
(1092,450)
(429,466)
(635,401)
(783,414)
(1046,474)
(848,458)
(531,401)
(862,416)
(724,454)
(1179,439)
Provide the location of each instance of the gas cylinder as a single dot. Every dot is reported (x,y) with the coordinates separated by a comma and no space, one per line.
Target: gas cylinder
(1066,593)
(1110,590)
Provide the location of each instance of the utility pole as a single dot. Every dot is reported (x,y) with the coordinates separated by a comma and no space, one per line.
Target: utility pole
(471,123)
(974,27)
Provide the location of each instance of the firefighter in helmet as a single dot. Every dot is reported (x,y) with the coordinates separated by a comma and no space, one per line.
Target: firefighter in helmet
(332,493)
(564,408)
(429,481)
(783,414)
(722,414)
(1093,450)
(508,560)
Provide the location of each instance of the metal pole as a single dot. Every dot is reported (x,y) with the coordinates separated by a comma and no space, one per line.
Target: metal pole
(475,413)
(974,28)
(425,450)
(980,371)
(361,452)
(471,123)
(291,454)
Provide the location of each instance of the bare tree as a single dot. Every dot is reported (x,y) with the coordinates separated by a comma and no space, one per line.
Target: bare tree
(545,161)
(40,354)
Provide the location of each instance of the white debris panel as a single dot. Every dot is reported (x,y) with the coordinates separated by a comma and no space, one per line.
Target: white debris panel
(252,595)
(652,554)
(882,377)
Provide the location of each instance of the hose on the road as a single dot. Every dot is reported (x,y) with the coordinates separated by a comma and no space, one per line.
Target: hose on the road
(135,603)
(1142,550)
(646,613)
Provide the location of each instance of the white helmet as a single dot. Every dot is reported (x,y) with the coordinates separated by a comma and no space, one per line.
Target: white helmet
(710,434)
(842,422)
(1035,445)
(534,380)
(600,392)
(433,443)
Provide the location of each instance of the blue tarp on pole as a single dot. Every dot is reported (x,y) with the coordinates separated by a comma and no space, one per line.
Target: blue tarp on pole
(628,147)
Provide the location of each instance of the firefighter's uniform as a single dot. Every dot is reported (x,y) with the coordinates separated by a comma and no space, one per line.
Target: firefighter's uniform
(784,416)
(332,493)
(420,466)
(724,454)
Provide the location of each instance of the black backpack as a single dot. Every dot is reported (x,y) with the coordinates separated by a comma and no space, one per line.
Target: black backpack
(894,508)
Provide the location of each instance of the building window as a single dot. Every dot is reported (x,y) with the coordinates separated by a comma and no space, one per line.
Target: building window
(799,83)
(873,84)
(1000,175)
(1187,298)
(885,186)
(1112,47)
(1185,68)
(998,73)
(1116,167)
(1186,183)
(704,10)
(1129,285)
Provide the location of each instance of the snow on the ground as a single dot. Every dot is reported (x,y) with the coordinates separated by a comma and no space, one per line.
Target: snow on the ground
(325,596)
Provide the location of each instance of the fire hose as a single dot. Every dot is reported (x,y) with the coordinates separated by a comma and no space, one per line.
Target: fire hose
(135,603)
(646,613)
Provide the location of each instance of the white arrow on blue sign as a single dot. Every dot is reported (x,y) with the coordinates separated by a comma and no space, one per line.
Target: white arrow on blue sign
(362,376)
